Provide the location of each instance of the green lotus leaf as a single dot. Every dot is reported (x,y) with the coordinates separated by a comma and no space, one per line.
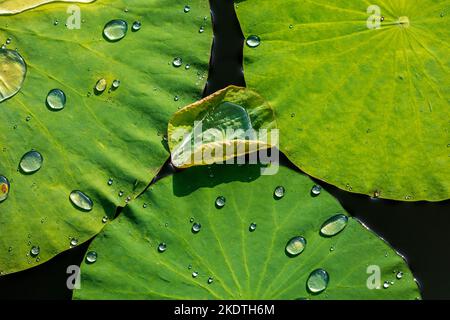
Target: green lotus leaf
(360,92)
(229,123)
(116,134)
(156,250)
(16,6)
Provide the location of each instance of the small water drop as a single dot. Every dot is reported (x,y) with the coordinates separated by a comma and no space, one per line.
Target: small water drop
(386,285)
(105,219)
(31,162)
(196,227)
(136,26)
(91,257)
(318,281)
(56,22)
(315,191)
(399,275)
(127,199)
(110,181)
(162,247)
(252,227)
(201,30)
(220,202)
(195,274)
(35,250)
(279,192)
(177,62)
(81,200)
(100,86)
(188,66)
(28,118)
(332,248)
(253,41)
(186,9)
(4,188)
(295,246)
(210,280)
(115,30)
(73,242)
(190,266)
(8,41)
(56,99)
(144,205)
(191,220)
(12,72)
(120,193)
(176,98)
(116,84)
(334,225)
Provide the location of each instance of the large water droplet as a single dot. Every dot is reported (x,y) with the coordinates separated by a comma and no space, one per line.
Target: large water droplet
(177,62)
(100,86)
(115,30)
(136,26)
(56,99)
(295,246)
(253,41)
(279,192)
(73,242)
(162,247)
(12,73)
(318,281)
(315,191)
(220,202)
(334,225)
(196,227)
(31,162)
(35,250)
(81,201)
(4,188)
(91,257)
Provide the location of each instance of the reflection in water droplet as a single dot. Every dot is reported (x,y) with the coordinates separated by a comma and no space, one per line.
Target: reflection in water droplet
(194,274)
(295,246)
(177,62)
(210,280)
(31,162)
(196,227)
(115,30)
(136,26)
(253,41)
(56,99)
(315,191)
(4,188)
(187,8)
(73,242)
(252,227)
(100,86)
(91,257)
(12,72)
(279,192)
(318,281)
(35,250)
(162,247)
(81,201)
(334,225)
(220,202)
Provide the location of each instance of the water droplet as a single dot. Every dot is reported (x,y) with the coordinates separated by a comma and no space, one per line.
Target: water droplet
(194,274)
(144,205)
(110,181)
(120,193)
(191,220)
(332,248)
(291,26)
(73,242)
(136,26)
(4,188)
(210,280)
(253,41)
(186,9)
(376,194)
(188,66)
(295,246)
(31,162)
(81,201)
(442,14)
(127,199)
(201,30)
(162,247)
(56,99)
(196,227)
(318,281)
(177,62)
(382,19)
(115,30)
(176,98)
(8,41)
(116,84)
(56,22)
(315,191)
(334,225)
(100,86)
(35,250)
(399,275)
(12,72)
(91,257)
(279,192)
(190,266)
(28,118)
(252,227)
(386,285)
(105,219)
(220,202)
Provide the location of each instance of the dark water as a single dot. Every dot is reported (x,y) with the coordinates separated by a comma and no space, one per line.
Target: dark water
(420,231)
